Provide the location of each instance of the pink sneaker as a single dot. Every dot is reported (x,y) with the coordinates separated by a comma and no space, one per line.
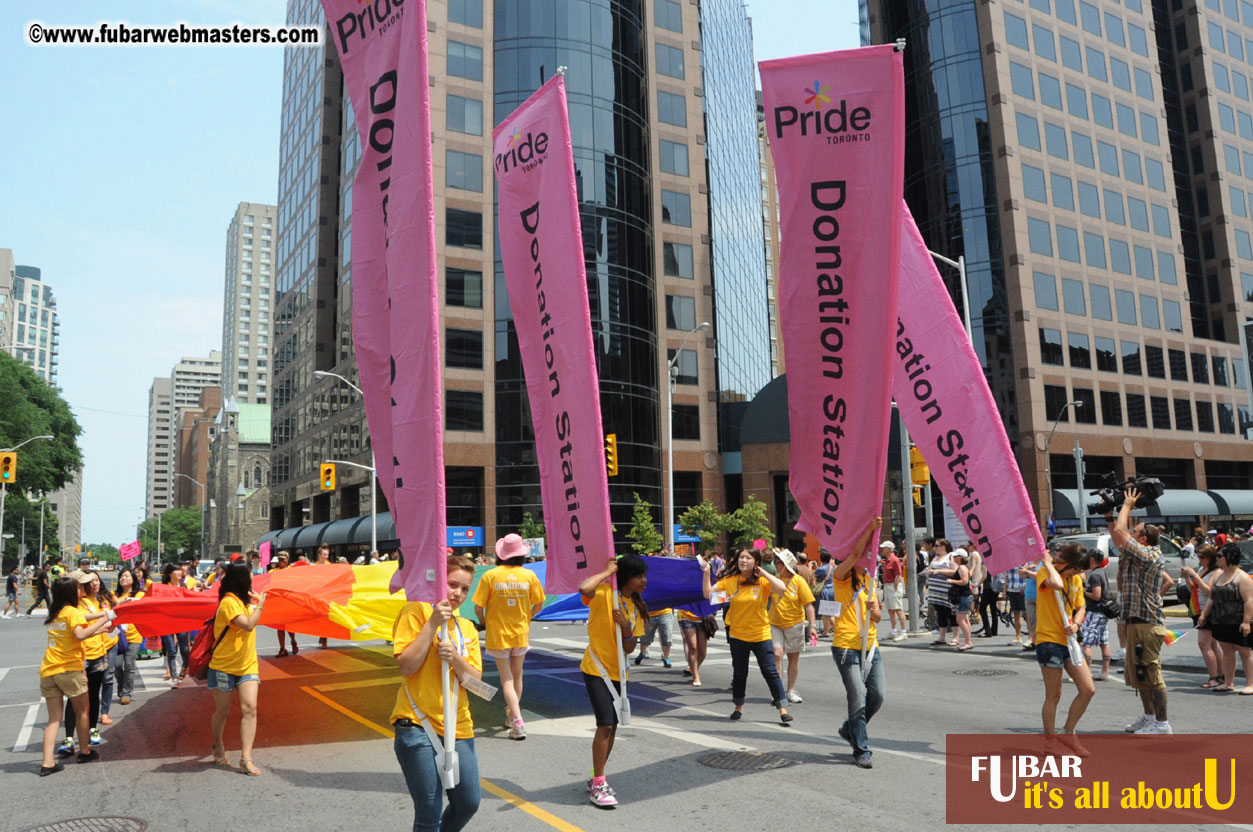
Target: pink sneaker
(603,797)
(518,730)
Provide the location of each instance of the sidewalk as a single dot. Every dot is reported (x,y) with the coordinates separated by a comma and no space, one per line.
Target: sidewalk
(1181,656)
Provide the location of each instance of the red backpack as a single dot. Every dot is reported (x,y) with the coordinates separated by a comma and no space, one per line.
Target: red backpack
(202,650)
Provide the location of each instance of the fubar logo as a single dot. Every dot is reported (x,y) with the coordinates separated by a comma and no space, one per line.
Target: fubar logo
(839,123)
(524,151)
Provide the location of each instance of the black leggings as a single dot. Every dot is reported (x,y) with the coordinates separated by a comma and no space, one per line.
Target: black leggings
(95,680)
(987,609)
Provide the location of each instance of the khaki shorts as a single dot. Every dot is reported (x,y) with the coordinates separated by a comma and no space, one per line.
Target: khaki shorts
(891,598)
(505,653)
(791,639)
(71,683)
(1143,665)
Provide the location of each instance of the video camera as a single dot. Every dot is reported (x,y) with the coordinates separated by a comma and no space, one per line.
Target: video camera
(1113,492)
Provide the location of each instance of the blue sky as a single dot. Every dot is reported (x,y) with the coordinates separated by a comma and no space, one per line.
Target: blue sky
(121,168)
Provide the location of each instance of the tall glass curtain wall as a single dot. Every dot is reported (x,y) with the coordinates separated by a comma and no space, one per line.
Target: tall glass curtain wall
(950,181)
(739,241)
(603,45)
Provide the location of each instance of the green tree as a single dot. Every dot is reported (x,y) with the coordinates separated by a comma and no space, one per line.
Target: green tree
(530,527)
(21,519)
(706,522)
(180,529)
(32,407)
(106,552)
(749,523)
(644,531)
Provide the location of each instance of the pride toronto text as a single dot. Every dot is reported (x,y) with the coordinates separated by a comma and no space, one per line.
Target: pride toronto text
(833,316)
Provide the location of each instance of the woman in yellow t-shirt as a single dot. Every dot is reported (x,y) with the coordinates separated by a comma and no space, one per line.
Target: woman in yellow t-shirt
(420,702)
(695,643)
(505,601)
(96,654)
(603,674)
(233,665)
(746,588)
(1063,574)
(61,673)
(788,617)
(129,589)
(855,629)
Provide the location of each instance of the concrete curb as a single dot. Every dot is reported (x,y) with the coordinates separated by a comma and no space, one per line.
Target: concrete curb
(1190,664)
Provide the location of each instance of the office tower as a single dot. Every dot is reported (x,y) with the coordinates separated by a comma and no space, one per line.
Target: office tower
(31,332)
(248,303)
(167,397)
(1085,159)
(664,133)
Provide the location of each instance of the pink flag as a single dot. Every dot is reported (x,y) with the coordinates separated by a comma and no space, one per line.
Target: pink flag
(948,408)
(264,550)
(130,551)
(394,278)
(835,123)
(541,243)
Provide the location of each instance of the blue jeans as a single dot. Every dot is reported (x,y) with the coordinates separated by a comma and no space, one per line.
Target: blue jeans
(764,651)
(184,647)
(864,698)
(417,763)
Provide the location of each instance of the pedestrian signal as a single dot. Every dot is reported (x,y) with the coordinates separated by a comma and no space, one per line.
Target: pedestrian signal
(611,453)
(327,480)
(8,467)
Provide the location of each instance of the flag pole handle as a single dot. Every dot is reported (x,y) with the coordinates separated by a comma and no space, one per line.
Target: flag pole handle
(625,708)
(450,719)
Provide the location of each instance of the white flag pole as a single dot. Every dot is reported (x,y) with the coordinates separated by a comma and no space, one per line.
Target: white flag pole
(624,707)
(450,773)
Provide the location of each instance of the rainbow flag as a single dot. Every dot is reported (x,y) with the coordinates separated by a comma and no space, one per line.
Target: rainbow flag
(1174,635)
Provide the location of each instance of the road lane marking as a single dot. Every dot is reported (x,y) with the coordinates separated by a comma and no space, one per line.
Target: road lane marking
(28,725)
(360,683)
(487,786)
(4,671)
(335,662)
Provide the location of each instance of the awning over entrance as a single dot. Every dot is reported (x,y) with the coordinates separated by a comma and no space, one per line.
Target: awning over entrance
(1233,503)
(1174,503)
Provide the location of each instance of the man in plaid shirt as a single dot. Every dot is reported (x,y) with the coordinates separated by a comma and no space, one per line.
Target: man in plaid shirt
(1141,581)
(1015,587)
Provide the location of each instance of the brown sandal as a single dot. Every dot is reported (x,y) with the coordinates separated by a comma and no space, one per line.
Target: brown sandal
(246,767)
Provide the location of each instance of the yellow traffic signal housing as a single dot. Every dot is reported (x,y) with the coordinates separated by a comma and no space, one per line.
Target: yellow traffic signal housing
(8,467)
(917,489)
(919,473)
(611,453)
(327,481)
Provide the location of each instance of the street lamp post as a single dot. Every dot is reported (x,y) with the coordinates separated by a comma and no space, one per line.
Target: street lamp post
(4,486)
(672,371)
(960,265)
(204,510)
(373,467)
(1048,471)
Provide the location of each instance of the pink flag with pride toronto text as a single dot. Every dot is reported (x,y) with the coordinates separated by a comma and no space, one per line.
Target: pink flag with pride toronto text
(541,243)
(395,286)
(949,411)
(129,551)
(835,123)
(264,550)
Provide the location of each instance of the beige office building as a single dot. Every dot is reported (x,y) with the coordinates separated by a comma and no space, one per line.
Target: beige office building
(248,304)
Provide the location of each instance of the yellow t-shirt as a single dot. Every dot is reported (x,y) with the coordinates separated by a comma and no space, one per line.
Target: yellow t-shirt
(97,645)
(236,654)
(506,594)
(660,613)
(64,652)
(1048,618)
(111,635)
(747,608)
(789,608)
(190,583)
(426,685)
(133,638)
(684,615)
(602,632)
(853,614)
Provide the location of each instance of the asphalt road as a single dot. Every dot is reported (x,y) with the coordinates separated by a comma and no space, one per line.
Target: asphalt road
(325,749)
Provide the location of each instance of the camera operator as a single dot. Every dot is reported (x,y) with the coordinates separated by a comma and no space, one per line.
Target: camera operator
(1140,580)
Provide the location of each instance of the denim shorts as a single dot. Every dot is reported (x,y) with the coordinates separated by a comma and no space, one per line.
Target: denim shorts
(217,680)
(965,603)
(1052,655)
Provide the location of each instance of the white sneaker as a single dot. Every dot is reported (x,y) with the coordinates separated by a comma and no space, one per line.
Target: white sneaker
(899,637)
(1119,654)
(1155,727)
(1144,720)
(793,696)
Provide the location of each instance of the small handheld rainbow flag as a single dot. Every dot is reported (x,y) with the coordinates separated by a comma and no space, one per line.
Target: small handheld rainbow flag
(1174,635)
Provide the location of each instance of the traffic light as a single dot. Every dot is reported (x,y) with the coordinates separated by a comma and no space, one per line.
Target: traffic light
(8,467)
(327,480)
(611,453)
(917,489)
(919,473)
